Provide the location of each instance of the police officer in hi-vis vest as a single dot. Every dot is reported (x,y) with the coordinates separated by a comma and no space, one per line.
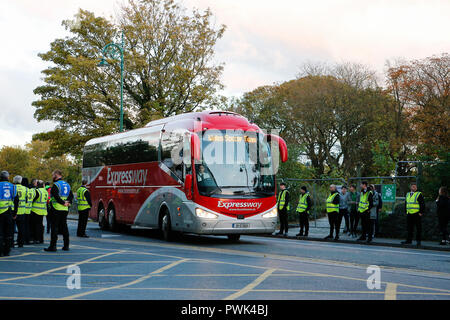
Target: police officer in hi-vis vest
(364,206)
(283,208)
(304,205)
(61,200)
(334,217)
(26,216)
(84,205)
(38,212)
(21,209)
(8,207)
(415,208)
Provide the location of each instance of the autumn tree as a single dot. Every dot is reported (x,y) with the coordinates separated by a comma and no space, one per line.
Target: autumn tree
(333,116)
(13,159)
(169,69)
(30,162)
(422,91)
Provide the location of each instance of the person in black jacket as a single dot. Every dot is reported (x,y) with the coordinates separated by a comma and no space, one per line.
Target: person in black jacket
(304,212)
(414,214)
(443,212)
(6,216)
(283,206)
(365,211)
(59,213)
(334,217)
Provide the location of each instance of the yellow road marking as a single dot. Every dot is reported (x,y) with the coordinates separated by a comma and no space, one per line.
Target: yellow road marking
(235,290)
(262,255)
(265,268)
(173,264)
(24,298)
(391,291)
(251,286)
(60,268)
(302,273)
(93,262)
(15,256)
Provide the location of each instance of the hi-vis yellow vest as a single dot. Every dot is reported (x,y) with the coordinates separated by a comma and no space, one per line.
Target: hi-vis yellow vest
(82,203)
(331,207)
(363,201)
(302,203)
(22,193)
(40,205)
(64,191)
(412,205)
(282,200)
(30,196)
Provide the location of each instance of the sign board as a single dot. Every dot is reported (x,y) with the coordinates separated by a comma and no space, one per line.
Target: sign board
(388,192)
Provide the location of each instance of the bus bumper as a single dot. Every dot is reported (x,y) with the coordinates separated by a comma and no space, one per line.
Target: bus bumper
(257,225)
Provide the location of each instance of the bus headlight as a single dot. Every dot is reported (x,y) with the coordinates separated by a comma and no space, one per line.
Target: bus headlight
(205,214)
(271,214)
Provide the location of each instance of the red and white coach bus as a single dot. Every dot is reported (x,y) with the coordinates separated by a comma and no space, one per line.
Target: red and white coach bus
(210,172)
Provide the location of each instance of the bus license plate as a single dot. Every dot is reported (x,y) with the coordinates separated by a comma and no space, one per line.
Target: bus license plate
(241,225)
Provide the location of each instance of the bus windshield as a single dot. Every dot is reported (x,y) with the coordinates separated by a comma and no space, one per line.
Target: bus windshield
(235,163)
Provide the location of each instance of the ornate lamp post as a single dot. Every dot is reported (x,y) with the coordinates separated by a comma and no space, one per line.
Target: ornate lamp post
(115,51)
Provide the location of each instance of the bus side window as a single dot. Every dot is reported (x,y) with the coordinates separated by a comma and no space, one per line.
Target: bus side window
(171,140)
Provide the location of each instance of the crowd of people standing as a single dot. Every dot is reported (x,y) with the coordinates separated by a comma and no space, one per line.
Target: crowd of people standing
(364,205)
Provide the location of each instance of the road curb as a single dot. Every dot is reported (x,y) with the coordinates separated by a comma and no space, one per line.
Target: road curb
(376,244)
(373,244)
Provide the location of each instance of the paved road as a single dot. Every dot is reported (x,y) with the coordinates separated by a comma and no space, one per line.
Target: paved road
(138,265)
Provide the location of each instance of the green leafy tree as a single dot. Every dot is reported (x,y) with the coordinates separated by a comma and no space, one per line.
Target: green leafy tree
(13,159)
(169,69)
(31,162)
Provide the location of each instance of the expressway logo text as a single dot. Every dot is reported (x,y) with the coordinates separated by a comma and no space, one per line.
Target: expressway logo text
(239,205)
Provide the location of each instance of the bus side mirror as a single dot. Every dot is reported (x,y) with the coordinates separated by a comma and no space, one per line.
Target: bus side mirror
(195,147)
(188,186)
(281,145)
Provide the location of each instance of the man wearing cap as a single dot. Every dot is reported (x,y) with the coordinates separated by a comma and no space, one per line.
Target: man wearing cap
(283,209)
(304,205)
(334,218)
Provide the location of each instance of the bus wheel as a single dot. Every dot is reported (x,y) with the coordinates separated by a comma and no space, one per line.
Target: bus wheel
(112,220)
(102,223)
(234,237)
(166,227)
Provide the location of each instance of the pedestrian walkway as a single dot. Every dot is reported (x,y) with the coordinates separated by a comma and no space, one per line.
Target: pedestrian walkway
(319,229)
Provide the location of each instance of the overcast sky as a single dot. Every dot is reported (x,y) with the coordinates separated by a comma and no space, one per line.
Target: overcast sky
(266,41)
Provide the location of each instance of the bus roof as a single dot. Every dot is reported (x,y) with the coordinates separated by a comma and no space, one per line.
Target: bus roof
(209,118)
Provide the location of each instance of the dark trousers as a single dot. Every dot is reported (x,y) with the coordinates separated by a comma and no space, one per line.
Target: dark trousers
(26,228)
(82,222)
(345,215)
(365,224)
(47,219)
(372,226)
(6,225)
(335,219)
(283,214)
(354,220)
(37,227)
(443,222)
(304,222)
(414,220)
(59,225)
(20,222)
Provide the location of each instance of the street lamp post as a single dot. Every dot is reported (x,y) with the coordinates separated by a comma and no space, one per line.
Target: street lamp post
(115,51)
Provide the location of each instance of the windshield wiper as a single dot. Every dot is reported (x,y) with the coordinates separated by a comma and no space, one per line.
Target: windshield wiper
(214,191)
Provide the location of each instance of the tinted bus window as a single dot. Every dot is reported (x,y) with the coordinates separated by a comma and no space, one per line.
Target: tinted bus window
(171,141)
(135,149)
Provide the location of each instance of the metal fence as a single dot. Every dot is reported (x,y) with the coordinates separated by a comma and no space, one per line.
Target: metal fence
(318,190)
